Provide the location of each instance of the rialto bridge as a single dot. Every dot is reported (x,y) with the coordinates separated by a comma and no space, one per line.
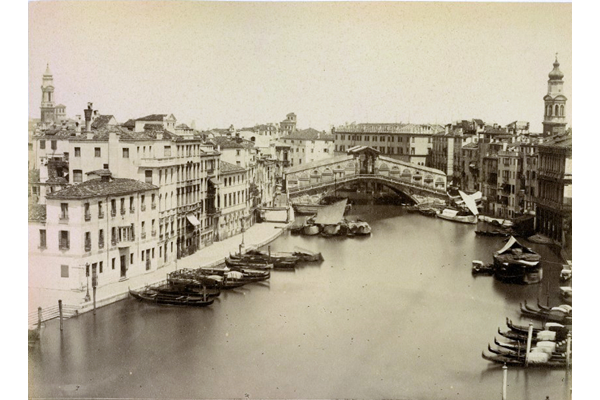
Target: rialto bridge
(365,164)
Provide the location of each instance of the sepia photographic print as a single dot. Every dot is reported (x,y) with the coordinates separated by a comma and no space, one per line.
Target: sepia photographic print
(300,200)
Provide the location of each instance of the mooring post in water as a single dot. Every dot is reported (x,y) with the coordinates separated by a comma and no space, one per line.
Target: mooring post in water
(568,349)
(504,380)
(60,314)
(40,317)
(269,253)
(528,349)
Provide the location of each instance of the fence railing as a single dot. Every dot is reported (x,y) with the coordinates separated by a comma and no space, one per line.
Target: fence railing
(46,314)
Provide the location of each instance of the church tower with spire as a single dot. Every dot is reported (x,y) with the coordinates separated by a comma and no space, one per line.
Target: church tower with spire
(554,103)
(48,115)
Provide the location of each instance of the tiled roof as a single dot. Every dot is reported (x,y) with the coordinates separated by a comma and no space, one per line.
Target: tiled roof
(309,134)
(153,117)
(130,123)
(182,126)
(37,212)
(390,128)
(231,143)
(470,146)
(564,140)
(100,172)
(101,121)
(98,188)
(227,168)
(57,180)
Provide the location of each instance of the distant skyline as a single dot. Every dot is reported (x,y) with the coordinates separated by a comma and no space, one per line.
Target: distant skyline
(245,63)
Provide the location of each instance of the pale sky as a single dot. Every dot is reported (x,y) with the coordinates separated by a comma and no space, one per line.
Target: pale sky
(330,63)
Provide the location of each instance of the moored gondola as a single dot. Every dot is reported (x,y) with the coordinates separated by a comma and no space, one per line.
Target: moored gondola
(520,353)
(556,314)
(172,299)
(517,362)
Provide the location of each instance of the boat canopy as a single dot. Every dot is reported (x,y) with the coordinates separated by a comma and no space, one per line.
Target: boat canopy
(469,201)
(512,244)
(235,275)
(449,213)
(331,215)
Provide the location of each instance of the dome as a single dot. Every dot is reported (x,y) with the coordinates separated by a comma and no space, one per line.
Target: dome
(556,74)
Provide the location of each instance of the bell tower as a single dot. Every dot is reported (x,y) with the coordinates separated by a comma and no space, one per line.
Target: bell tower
(47,106)
(554,103)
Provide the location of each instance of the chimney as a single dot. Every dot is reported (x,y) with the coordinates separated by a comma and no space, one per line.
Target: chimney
(88,117)
(78,125)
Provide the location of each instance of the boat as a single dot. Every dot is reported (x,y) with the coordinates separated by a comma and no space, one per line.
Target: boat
(492,233)
(428,211)
(515,263)
(566,293)
(185,289)
(479,267)
(560,314)
(517,362)
(535,337)
(238,274)
(244,263)
(254,261)
(271,257)
(362,228)
(311,230)
(172,299)
(549,326)
(520,353)
(197,276)
(457,216)
(307,256)
(331,230)
(296,227)
(522,346)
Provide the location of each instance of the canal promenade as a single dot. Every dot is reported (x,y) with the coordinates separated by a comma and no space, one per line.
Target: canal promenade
(256,236)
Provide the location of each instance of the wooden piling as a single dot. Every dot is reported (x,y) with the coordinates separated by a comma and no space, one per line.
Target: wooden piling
(39,317)
(568,349)
(528,349)
(60,314)
(504,380)
(94,294)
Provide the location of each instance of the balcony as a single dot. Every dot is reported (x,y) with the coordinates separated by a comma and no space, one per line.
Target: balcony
(100,215)
(153,233)
(88,246)
(63,218)
(64,246)
(143,235)
(131,210)
(113,213)
(122,211)
(100,245)
(114,242)
(88,216)
(143,207)
(153,206)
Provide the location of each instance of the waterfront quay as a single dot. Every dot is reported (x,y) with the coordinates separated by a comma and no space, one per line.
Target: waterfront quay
(255,236)
(397,314)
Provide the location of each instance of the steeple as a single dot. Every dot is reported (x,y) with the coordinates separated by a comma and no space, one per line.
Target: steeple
(47,106)
(555,102)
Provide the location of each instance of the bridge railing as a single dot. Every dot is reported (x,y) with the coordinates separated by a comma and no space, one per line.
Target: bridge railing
(346,179)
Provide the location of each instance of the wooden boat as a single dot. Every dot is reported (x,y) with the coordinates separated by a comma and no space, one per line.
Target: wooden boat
(185,289)
(479,267)
(457,216)
(556,314)
(243,263)
(515,263)
(549,326)
(254,262)
(428,211)
(363,228)
(516,362)
(331,230)
(492,233)
(308,256)
(272,257)
(311,230)
(536,337)
(521,347)
(169,299)
(247,275)
(520,353)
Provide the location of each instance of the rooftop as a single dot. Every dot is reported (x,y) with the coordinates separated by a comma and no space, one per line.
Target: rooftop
(309,134)
(390,128)
(101,121)
(227,168)
(100,188)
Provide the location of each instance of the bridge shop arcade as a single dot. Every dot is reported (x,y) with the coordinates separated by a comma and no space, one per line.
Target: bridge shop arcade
(366,167)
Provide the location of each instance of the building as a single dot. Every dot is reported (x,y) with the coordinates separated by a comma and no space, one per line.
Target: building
(308,145)
(554,103)
(406,142)
(105,223)
(233,200)
(49,113)
(554,197)
(288,125)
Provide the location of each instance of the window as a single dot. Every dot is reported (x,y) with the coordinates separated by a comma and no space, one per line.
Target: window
(63,241)
(88,241)
(131,207)
(77,151)
(42,238)
(96,151)
(77,176)
(100,210)
(148,174)
(100,266)
(167,151)
(53,142)
(131,258)
(64,211)
(42,144)
(113,207)
(122,206)
(105,166)
(113,262)
(64,271)
(101,239)
(125,152)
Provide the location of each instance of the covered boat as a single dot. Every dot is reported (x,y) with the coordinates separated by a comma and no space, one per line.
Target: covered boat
(457,216)
(541,360)
(561,314)
(515,263)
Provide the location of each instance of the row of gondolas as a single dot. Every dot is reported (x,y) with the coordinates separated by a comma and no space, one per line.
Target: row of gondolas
(550,342)
(344,227)
(199,287)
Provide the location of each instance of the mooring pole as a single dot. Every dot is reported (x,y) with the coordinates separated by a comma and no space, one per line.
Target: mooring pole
(504,380)
(568,349)
(60,314)
(528,349)
(39,317)
(94,284)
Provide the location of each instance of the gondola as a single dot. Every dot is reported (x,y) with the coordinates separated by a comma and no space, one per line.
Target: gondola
(536,337)
(271,257)
(520,353)
(553,315)
(248,275)
(175,300)
(521,346)
(550,326)
(521,362)
(244,259)
(186,289)
(492,233)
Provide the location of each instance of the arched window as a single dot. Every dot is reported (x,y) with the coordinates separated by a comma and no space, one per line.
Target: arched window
(562,111)
(556,110)
(549,111)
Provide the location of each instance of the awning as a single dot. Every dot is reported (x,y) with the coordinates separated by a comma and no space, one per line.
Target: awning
(193,220)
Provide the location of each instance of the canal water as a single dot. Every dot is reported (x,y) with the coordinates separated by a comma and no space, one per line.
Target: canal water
(394,315)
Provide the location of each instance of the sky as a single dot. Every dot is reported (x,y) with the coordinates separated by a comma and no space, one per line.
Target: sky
(219,64)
